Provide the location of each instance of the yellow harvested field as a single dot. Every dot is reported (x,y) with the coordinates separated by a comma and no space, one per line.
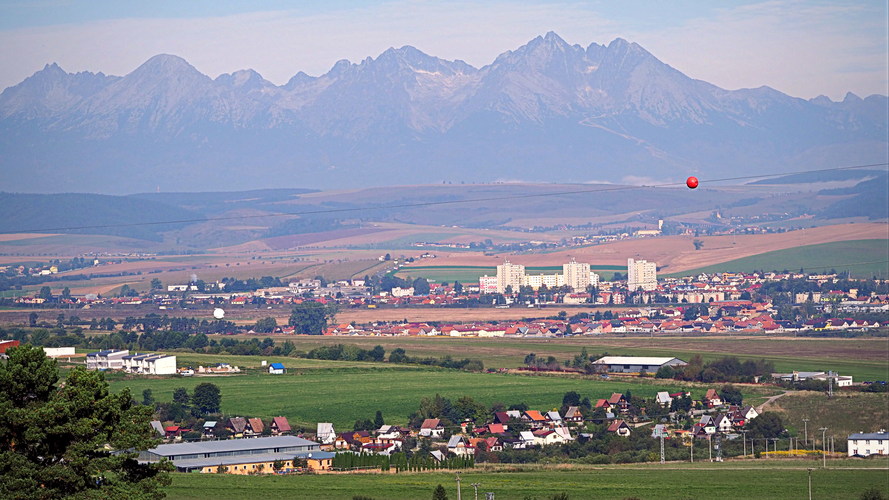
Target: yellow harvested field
(677,253)
(23,236)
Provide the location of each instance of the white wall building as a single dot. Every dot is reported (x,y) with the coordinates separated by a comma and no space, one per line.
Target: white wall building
(487,284)
(635,364)
(106,360)
(58,352)
(869,443)
(641,274)
(150,364)
(510,275)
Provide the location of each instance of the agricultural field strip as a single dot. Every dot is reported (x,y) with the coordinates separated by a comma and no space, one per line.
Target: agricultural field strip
(864,359)
(758,480)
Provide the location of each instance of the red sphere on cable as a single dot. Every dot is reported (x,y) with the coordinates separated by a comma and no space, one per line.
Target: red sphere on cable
(691,182)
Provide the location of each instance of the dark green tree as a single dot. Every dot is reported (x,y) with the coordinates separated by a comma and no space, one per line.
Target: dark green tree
(147,398)
(180,395)
(311,318)
(731,395)
(73,440)
(439,493)
(397,355)
(266,325)
(768,425)
(421,286)
(45,293)
(378,419)
(206,398)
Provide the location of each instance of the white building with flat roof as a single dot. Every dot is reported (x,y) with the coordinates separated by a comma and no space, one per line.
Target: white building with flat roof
(106,360)
(510,275)
(636,364)
(641,274)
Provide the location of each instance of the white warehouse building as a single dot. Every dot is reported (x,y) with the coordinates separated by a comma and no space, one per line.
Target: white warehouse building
(636,364)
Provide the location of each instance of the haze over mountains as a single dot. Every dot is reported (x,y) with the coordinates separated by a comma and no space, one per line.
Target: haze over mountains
(548,111)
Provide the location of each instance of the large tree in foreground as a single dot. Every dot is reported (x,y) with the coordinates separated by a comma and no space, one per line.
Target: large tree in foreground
(73,439)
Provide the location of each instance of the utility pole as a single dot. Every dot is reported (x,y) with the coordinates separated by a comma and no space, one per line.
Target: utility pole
(744,438)
(663,458)
(459,497)
(710,446)
(806,429)
(810,482)
(829,384)
(775,444)
(692,448)
(823,446)
(475,486)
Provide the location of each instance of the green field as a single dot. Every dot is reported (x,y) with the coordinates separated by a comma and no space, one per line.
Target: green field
(863,358)
(343,392)
(860,257)
(762,479)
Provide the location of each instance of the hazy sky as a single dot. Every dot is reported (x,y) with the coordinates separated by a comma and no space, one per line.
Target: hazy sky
(802,48)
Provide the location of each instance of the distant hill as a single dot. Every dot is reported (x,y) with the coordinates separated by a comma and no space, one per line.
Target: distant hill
(547,111)
(869,199)
(77,213)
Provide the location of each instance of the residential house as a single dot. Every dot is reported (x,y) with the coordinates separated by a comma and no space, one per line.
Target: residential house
(711,399)
(208,430)
(458,445)
(573,415)
(620,428)
(325,433)
(554,419)
(868,443)
(723,423)
(534,419)
(663,399)
(254,427)
(237,425)
(432,428)
(277,369)
(158,428)
(619,401)
(279,426)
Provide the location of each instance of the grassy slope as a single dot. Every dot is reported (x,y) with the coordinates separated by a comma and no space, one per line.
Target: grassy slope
(342,393)
(760,480)
(814,258)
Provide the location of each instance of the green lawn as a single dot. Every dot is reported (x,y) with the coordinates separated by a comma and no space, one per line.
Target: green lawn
(775,480)
(861,257)
(343,393)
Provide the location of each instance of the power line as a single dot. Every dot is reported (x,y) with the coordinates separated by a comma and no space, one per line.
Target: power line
(597,189)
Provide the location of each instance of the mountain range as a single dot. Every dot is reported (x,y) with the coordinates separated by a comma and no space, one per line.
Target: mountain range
(548,111)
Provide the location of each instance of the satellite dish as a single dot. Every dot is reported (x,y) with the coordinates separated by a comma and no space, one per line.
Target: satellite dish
(218,313)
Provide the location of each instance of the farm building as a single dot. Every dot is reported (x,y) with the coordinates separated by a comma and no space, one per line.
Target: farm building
(277,369)
(106,360)
(636,364)
(150,364)
(869,443)
(240,456)
(6,344)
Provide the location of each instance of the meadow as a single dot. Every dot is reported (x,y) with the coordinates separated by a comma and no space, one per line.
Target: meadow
(342,392)
(761,479)
(860,257)
(862,358)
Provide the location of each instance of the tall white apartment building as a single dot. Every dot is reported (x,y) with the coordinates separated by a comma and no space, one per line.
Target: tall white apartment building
(512,275)
(578,275)
(641,274)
